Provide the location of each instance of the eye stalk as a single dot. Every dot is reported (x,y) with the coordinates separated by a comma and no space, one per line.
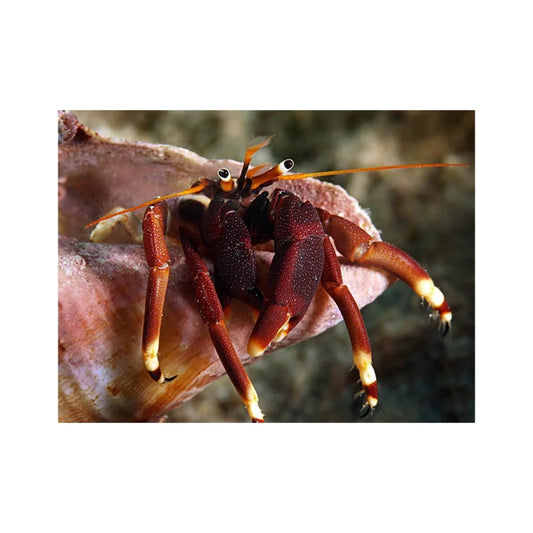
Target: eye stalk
(226,181)
(261,177)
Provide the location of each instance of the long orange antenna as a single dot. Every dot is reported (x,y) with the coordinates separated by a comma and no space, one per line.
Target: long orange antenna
(197,188)
(259,180)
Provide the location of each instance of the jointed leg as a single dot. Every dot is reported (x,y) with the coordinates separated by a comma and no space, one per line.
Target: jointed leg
(362,355)
(357,246)
(213,316)
(387,256)
(154,225)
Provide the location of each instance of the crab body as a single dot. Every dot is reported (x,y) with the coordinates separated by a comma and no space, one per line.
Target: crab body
(223,221)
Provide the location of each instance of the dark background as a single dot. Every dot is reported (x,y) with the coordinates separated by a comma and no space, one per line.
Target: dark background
(428,213)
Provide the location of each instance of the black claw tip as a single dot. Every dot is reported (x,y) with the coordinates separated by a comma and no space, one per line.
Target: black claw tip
(365,410)
(156,376)
(446,328)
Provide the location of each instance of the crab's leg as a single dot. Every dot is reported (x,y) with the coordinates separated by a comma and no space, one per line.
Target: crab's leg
(362,354)
(156,251)
(213,316)
(359,247)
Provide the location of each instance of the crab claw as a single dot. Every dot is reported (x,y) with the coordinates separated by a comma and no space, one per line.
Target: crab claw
(272,326)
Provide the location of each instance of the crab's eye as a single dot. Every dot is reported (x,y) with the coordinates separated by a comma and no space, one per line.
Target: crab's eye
(287,164)
(226,181)
(224,174)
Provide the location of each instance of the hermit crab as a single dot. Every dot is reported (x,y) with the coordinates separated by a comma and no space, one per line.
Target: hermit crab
(223,224)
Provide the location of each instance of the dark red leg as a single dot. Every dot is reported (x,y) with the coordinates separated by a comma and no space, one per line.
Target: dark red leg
(357,246)
(155,247)
(213,316)
(362,354)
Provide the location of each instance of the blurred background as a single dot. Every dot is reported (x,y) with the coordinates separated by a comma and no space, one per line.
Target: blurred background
(429,213)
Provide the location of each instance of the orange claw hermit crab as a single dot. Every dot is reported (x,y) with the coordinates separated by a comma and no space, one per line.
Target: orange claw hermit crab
(228,218)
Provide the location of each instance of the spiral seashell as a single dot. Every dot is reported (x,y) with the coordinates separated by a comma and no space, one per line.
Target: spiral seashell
(102,286)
